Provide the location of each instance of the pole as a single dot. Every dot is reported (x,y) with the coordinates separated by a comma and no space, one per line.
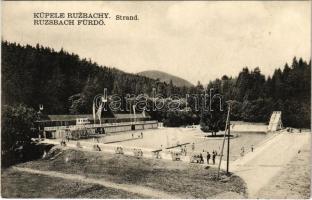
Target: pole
(130,114)
(226,126)
(228,147)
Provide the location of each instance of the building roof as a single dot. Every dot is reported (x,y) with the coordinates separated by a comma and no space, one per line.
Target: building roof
(68,117)
(106,114)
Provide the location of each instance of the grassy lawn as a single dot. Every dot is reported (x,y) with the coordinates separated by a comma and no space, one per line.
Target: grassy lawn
(24,185)
(177,178)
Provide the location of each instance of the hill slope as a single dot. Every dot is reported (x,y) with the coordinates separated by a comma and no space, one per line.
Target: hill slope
(136,178)
(165,77)
(62,81)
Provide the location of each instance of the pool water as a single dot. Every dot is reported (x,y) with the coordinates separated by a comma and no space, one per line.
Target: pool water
(168,137)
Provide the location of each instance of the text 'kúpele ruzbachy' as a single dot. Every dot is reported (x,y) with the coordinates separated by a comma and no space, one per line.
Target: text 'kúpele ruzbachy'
(78,18)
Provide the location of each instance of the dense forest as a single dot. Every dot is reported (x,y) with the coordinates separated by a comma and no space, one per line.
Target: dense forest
(67,84)
(63,82)
(254,97)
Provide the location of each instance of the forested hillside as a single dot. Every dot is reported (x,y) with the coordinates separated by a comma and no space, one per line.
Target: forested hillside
(165,77)
(67,84)
(254,97)
(63,82)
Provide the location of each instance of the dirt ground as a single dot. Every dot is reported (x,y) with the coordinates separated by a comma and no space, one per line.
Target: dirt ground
(294,180)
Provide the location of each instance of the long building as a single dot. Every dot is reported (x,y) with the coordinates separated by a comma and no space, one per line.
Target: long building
(83,126)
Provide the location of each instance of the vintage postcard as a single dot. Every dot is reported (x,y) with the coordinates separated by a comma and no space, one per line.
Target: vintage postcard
(156,99)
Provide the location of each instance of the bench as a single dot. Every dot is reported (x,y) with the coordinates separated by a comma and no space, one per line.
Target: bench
(156,154)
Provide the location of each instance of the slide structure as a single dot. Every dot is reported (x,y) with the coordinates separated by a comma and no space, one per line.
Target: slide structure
(275,121)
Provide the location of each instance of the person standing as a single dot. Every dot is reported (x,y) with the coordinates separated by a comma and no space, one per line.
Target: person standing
(213,157)
(208,157)
(252,148)
(181,150)
(193,146)
(78,145)
(141,134)
(201,158)
(242,151)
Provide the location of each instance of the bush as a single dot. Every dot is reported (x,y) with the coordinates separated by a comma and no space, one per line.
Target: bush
(16,133)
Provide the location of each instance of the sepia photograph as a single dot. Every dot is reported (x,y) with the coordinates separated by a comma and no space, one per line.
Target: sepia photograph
(156,99)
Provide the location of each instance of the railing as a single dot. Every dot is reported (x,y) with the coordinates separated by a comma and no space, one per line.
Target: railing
(88,126)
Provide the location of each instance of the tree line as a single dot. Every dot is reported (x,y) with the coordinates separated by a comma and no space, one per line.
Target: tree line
(67,84)
(254,97)
(63,82)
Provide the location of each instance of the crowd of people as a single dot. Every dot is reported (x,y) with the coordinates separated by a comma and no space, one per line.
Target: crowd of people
(199,158)
(183,150)
(211,158)
(137,153)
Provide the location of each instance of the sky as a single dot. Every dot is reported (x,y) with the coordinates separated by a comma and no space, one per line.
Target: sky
(197,41)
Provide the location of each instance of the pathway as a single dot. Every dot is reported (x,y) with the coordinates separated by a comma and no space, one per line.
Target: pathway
(259,167)
(145,191)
